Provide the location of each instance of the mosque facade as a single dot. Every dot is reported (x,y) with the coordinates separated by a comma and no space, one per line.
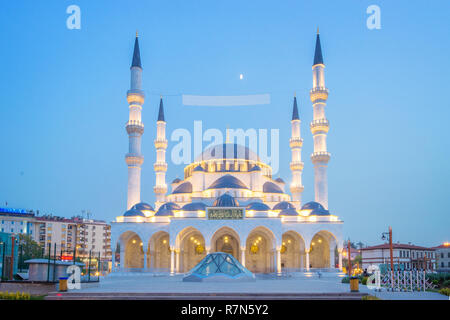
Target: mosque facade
(228,201)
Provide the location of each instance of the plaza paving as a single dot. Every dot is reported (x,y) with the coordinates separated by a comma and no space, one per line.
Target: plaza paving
(328,283)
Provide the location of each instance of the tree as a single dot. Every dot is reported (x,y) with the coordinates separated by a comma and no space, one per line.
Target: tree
(28,248)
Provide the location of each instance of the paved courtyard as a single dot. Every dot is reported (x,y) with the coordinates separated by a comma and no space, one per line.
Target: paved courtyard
(299,283)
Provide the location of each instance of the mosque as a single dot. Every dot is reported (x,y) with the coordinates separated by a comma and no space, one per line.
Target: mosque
(228,201)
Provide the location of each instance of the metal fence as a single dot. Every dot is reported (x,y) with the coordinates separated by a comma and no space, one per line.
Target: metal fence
(54,257)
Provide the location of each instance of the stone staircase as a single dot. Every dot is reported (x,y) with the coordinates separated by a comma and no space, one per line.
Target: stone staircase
(202,296)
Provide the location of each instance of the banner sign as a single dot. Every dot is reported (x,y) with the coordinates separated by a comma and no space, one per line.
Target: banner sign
(224,213)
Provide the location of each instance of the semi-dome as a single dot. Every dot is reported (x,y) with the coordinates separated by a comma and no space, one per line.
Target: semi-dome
(316,209)
(279,180)
(185,187)
(226,200)
(258,206)
(227,151)
(142,206)
(255,168)
(228,181)
(198,168)
(167,209)
(270,187)
(194,206)
(133,213)
(283,205)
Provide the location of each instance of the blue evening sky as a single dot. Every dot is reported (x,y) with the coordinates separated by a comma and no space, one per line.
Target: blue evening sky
(63,106)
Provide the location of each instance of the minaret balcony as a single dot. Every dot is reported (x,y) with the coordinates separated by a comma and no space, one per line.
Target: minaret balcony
(296,165)
(160,166)
(133,159)
(296,142)
(320,157)
(160,143)
(160,189)
(135,97)
(135,126)
(297,189)
(319,125)
(318,93)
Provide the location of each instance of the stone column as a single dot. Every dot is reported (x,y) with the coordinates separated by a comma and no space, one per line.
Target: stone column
(172,261)
(122,257)
(145,260)
(279,260)
(243,256)
(177,264)
(307,260)
(332,264)
(340,260)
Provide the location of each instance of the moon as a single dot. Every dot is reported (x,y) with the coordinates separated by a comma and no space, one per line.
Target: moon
(241,76)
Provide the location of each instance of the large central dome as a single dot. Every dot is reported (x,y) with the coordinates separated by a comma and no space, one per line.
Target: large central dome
(227,151)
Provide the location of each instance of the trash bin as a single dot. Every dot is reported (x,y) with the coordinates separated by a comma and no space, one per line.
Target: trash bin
(354,284)
(63,284)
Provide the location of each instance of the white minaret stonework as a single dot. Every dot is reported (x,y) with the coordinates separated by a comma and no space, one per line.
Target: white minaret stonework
(160,165)
(296,164)
(135,129)
(319,127)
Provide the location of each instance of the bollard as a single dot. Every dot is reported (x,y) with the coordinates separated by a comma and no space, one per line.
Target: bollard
(63,284)
(354,284)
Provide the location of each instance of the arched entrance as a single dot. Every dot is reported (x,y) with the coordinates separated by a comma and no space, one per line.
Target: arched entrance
(321,254)
(158,258)
(292,251)
(133,251)
(192,249)
(259,251)
(226,240)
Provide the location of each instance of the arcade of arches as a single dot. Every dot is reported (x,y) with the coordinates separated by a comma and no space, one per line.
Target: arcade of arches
(259,255)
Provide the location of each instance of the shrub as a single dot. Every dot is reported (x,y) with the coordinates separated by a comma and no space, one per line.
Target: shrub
(15,295)
(369,297)
(345,280)
(364,280)
(446,284)
(445,291)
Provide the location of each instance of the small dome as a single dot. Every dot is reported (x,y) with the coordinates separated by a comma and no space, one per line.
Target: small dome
(228,181)
(279,180)
(167,209)
(270,187)
(198,168)
(185,187)
(255,168)
(316,209)
(142,206)
(225,200)
(176,180)
(133,213)
(283,205)
(258,206)
(194,206)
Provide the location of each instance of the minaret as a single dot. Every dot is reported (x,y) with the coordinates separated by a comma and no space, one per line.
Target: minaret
(296,165)
(160,165)
(135,129)
(319,127)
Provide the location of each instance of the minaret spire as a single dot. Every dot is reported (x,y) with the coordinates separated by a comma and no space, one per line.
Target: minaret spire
(160,165)
(136,54)
(318,59)
(319,128)
(296,143)
(135,129)
(161,110)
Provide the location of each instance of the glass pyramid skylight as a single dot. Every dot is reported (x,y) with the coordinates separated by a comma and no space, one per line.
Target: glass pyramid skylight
(219,266)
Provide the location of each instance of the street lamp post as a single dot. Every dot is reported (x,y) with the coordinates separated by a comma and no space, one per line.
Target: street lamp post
(383,237)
